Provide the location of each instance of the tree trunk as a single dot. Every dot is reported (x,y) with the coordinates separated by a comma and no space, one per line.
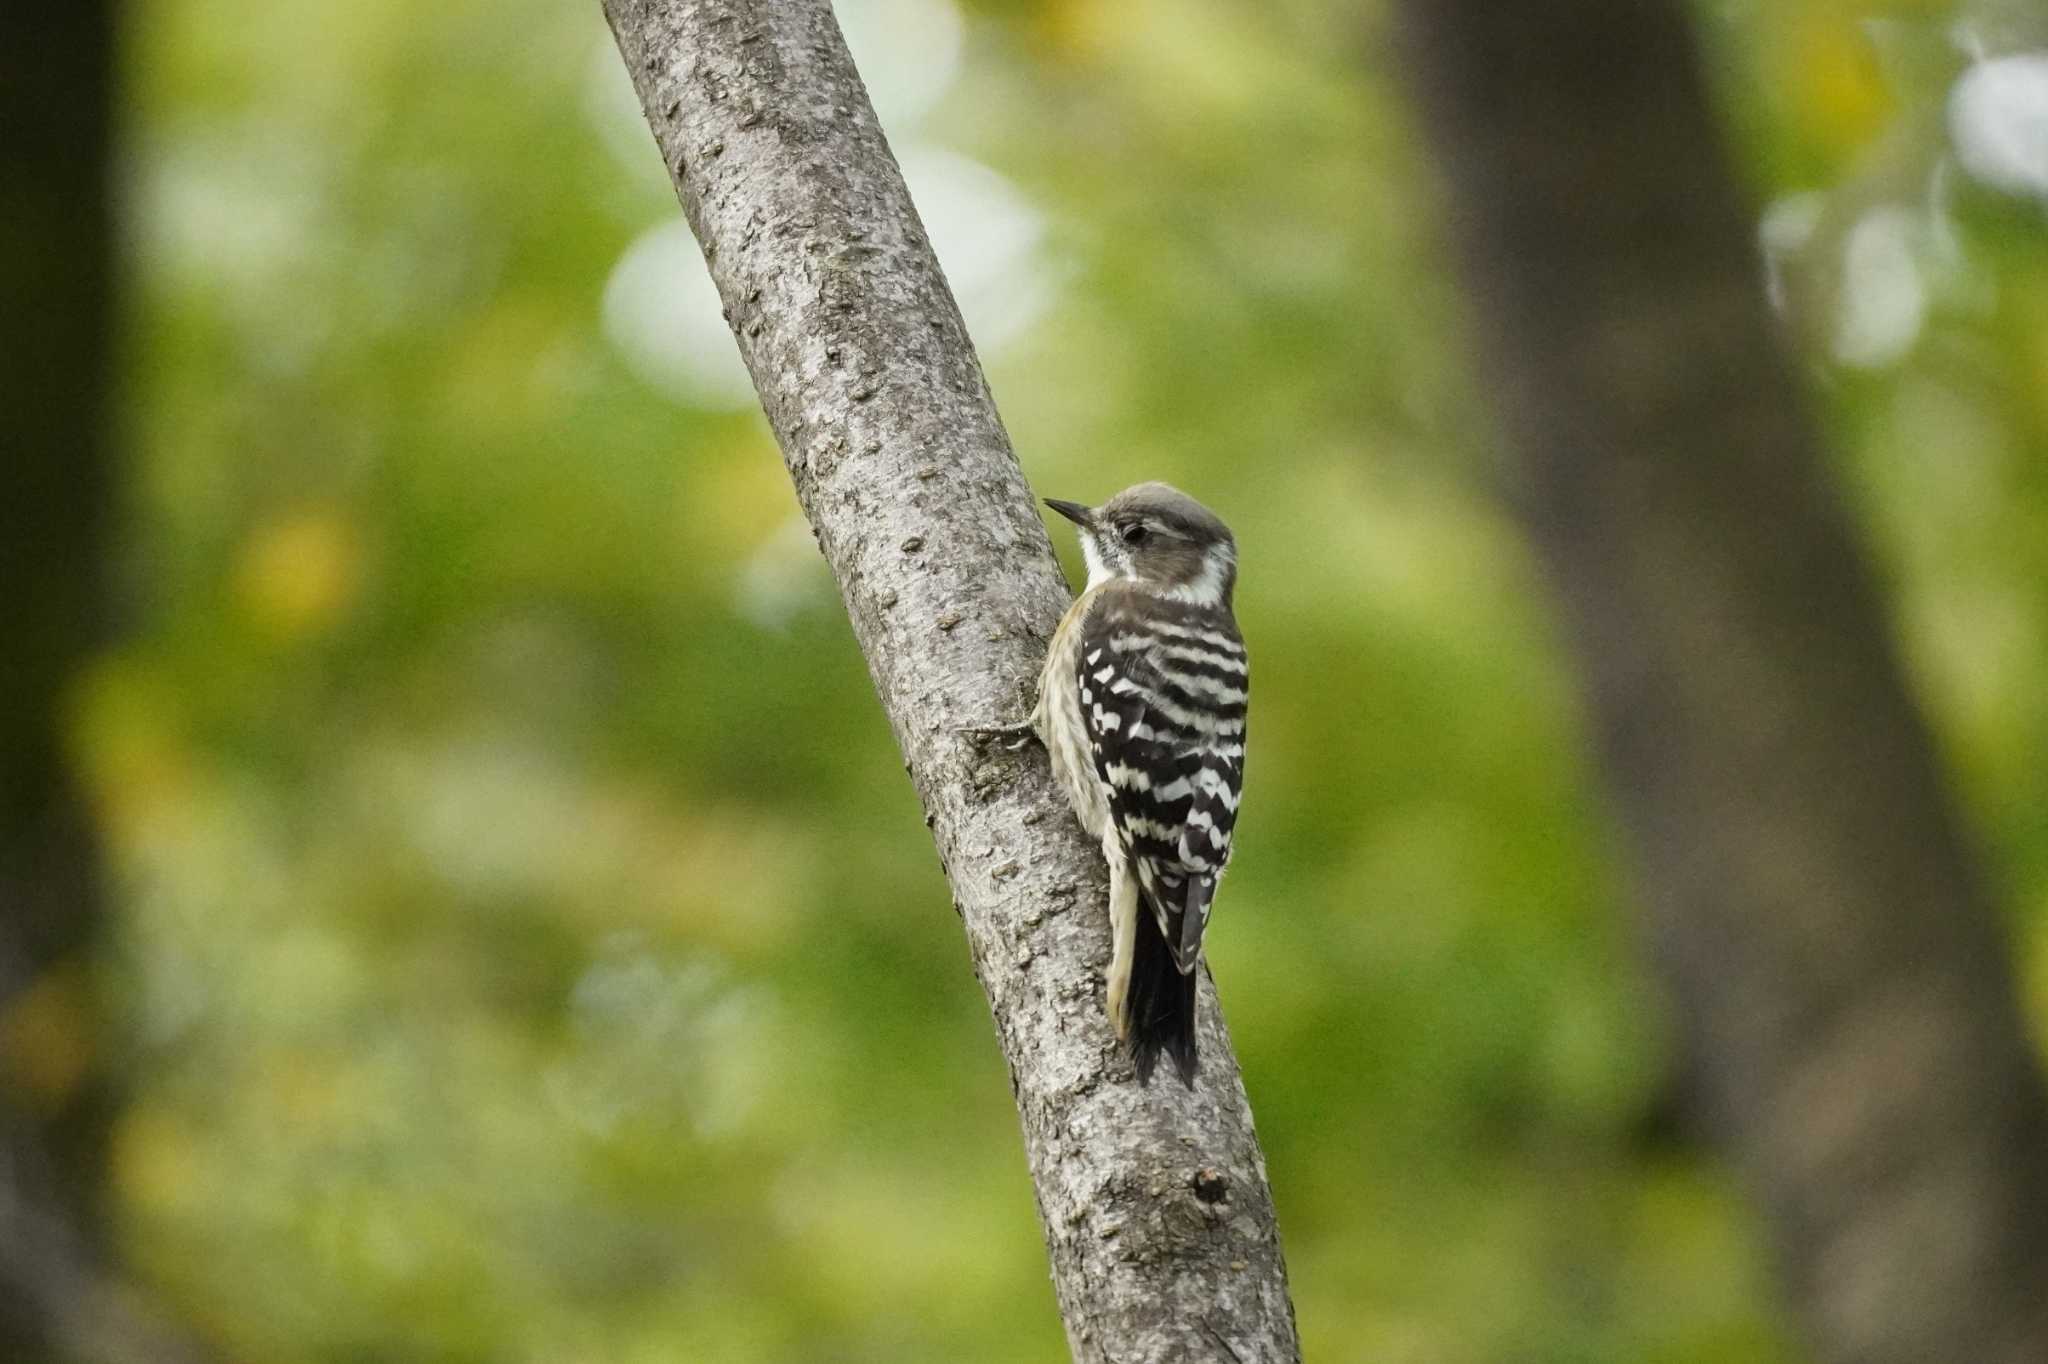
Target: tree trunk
(1154,1200)
(58,1297)
(1838,974)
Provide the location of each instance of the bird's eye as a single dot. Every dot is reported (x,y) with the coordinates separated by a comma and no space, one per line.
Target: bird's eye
(1134,534)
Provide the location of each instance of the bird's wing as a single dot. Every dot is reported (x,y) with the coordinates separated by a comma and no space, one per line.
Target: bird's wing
(1164,704)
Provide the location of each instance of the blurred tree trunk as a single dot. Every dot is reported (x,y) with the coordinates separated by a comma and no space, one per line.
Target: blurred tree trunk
(1838,974)
(57,1297)
(1154,1201)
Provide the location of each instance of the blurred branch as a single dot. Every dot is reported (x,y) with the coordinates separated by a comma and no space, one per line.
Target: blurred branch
(58,1299)
(59,1295)
(873,389)
(1838,973)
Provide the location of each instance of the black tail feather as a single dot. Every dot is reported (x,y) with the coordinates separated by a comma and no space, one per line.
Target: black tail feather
(1161,1006)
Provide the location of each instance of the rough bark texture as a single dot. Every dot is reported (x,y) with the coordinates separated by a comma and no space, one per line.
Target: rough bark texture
(1154,1201)
(59,1298)
(1839,976)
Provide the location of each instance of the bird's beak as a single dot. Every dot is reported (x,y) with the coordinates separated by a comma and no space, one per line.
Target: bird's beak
(1073,511)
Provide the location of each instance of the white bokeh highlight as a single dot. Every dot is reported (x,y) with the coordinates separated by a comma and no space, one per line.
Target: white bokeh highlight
(661,313)
(1883,302)
(907,52)
(1998,121)
(660,310)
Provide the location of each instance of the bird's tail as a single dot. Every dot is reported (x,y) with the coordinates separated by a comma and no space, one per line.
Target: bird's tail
(1160,1006)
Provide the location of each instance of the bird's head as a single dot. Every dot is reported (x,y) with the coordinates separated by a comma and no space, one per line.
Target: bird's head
(1159,537)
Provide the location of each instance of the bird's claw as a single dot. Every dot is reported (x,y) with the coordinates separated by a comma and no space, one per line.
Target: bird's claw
(1012,736)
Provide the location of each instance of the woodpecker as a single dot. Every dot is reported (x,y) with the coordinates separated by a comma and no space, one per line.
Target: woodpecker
(1141,707)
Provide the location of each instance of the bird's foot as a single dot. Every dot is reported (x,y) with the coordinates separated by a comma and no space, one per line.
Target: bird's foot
(1012,736)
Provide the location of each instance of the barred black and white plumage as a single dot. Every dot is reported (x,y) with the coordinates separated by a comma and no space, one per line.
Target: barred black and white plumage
(1142,707)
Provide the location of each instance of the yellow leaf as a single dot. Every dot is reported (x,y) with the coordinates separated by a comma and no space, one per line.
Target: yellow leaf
(300,572)
(156,1159)
(46,1038)
(1831,74)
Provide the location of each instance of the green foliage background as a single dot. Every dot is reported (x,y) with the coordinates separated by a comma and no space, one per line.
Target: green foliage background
(530,948)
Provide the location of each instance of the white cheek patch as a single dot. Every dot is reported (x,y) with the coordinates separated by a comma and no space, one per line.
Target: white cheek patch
(1098,571)
(1206,587)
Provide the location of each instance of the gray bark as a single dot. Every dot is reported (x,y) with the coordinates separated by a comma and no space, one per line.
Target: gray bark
(1154,1201)
(1840,982)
